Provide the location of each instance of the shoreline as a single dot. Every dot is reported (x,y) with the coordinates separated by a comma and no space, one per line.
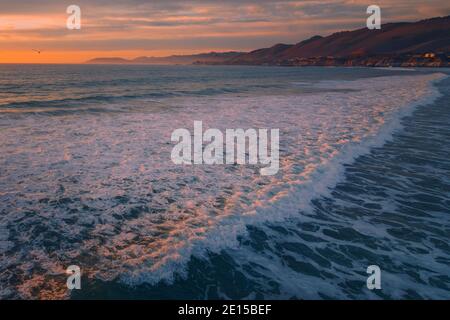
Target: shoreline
(405,68)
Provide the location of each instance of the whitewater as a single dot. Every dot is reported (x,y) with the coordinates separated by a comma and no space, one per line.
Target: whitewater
(86,178)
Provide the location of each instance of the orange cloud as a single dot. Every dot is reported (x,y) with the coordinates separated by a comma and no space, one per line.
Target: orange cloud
(130,28)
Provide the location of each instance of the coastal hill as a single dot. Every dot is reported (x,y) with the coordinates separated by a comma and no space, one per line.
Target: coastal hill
(425,43)
(393,44)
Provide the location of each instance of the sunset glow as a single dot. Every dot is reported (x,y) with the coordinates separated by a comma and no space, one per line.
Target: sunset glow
(158,28)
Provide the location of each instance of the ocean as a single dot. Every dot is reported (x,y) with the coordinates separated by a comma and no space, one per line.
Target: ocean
(86,179)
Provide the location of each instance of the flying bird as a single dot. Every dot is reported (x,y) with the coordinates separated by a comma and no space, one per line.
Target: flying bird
(38,51)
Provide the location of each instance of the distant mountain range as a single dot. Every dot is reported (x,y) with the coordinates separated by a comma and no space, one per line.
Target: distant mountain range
(424,43)
(212,57)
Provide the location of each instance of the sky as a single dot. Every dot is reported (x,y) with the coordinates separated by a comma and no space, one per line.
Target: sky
(132,28)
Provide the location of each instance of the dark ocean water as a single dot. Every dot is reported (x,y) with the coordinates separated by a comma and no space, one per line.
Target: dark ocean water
(86,179)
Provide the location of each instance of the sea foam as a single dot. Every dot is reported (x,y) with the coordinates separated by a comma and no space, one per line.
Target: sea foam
(101,192)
